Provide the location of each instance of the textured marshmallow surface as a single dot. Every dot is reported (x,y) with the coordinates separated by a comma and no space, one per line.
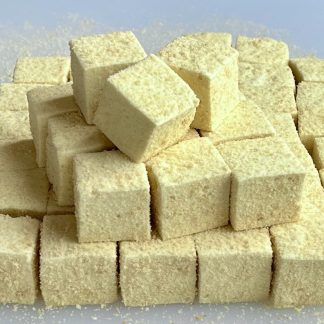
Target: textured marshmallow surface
(299,260)
(44,70)
(267,182)
(224,39)
(285,127)
(73,273)
(18,261)
(13,96)
(315,198)
(14,125)
(68,135)
(23,192)
(272,99)
(145,108)
(112,198)
(272,87)
(286,130)
(54,209)
(17,155)
(247,120)
(188,53)
(158,272)
(94,59)
(190,186)
(260,75)
(44,104)
(233,266)
(303,156)
(308,68)
(310,104)
(191,134)
(318,152)
(262,50)
(211,70)
(312,181)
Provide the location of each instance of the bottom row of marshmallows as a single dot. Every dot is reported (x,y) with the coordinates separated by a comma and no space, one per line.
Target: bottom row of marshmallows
(226,265)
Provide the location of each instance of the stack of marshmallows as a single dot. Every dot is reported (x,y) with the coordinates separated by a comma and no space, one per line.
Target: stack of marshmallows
(169,176)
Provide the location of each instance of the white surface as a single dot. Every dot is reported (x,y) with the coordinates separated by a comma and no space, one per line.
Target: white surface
(117,313)
(52,23)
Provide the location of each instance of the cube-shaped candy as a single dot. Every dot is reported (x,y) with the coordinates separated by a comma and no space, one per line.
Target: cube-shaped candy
(14,125)
(267,182)
(312,181)
(145,108)
(308,68)
(18,261)
(247,120)
(23,192)
(190,187)
(272,99)
(73,273)
(224,39)
(233,266)
(298,278)
(94,59)
(45,103)
(285,127)
(318,152)
(158,272)
(315,198)
(17,155)
(272,87)
(310,104)
(68,135)
(303,156)
(13,96)
(211,70)
(112,198)
(44,70)
(286,130)
(54,209)
(262,50)
(260,75)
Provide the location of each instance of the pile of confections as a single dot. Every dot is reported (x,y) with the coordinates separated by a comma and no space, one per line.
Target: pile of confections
(191,173)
